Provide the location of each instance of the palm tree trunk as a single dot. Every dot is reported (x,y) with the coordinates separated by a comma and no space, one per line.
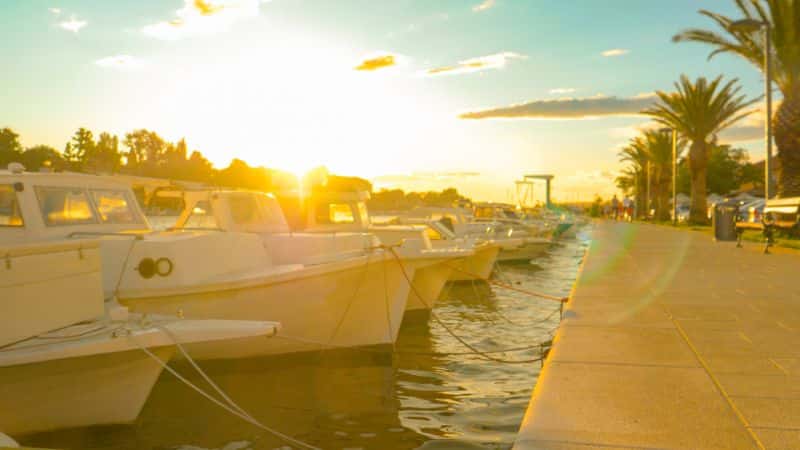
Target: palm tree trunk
(663,211)
(787,139)
(698,165)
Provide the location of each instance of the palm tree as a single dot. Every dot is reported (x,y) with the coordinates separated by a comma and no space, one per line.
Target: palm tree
(698,111)
(634,175)
(657,146)
(783,16)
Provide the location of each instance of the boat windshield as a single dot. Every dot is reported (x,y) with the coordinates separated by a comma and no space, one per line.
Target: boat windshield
(437,230)
(484,212)
(334,213)
(9,207)
(202,217)
(114,207)
(65,206)
(244,210)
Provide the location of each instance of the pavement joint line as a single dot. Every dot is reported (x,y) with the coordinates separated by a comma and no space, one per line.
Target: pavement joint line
(764,427)
(719,386)
(604,363)
(767,397)
(780,367)
(591,444)
(745,338)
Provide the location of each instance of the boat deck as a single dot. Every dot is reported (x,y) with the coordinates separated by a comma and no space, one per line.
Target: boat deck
(671,340)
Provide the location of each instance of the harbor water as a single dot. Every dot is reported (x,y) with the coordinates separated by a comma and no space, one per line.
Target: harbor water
(429,393)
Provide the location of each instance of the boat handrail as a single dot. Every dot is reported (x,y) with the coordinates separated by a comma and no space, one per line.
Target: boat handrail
(194,229)
(137,237)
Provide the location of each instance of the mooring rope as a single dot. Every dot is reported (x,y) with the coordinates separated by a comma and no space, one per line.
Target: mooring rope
(353,297)
(449,331)
(231,407)
(509,287)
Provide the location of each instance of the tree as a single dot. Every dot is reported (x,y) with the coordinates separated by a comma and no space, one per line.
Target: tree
(10,148)
(105,156)
(658,150)
(43,156)
(783,17)
(634,178)
(81,148)
(145,151)
(699,111)
(728,170)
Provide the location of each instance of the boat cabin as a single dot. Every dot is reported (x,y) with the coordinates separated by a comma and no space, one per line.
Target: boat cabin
(328,212)
(41,206)
(262,214)
(496,211)
(245,211)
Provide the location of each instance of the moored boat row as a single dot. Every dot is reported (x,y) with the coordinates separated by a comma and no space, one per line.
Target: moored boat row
(92,295)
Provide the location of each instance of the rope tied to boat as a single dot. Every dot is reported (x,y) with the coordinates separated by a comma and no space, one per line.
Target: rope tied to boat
(229,405)
(510,287)
(435,317)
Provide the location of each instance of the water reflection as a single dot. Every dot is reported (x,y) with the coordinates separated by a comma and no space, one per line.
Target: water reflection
(426,394)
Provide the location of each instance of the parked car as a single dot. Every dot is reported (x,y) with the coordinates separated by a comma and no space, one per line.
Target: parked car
(682,213)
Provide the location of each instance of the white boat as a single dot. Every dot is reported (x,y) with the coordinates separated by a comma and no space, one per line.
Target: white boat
(343,212)
(67,358)
(492,223)
(204,274)
(477,267)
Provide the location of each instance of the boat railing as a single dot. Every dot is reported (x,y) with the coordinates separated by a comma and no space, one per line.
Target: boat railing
(137,237)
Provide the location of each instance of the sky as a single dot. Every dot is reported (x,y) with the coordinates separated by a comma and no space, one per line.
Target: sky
(416,94)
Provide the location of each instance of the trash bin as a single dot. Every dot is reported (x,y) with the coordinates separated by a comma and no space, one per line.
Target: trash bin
(723,220)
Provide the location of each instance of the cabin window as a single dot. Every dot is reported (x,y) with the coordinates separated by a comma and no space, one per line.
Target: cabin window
(244,210)
(485,213)
(340,213)
(433,234)
(65,206)
(201,217)
(114,207)
(10,215)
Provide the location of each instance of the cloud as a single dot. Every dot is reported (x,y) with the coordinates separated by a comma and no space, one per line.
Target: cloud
(568,108)
(495,61)
(376,62)
(615,52)
(561,91)
(73,24)
(55,11)
(483,6)
(744,133)
(121,62)
(199,17)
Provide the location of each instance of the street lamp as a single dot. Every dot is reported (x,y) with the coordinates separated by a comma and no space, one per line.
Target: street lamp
(751,26)
(647,199)
(674,172)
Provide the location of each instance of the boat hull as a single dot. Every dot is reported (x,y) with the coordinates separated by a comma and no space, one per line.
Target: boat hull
(355,303)
(428,284)
(526,252)
(100,389)
(476,267)
(564,230)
